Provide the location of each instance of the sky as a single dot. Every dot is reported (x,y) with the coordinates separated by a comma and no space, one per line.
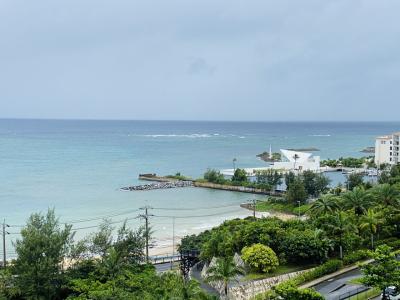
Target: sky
(200,60)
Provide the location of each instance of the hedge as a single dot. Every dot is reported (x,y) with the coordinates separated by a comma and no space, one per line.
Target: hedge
(355,256)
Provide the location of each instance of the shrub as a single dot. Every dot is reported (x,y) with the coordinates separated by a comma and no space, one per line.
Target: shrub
(326,268)
(289,291)
(260,258)
(355,256)
(239,176)
(392,242)
(214,176)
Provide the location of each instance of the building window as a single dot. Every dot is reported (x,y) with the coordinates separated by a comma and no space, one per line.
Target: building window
(391,148)
(383,142)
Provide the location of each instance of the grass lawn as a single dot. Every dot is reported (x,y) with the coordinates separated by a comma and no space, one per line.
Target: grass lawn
(284,269)
(355,281)
(277,205)
(371,293)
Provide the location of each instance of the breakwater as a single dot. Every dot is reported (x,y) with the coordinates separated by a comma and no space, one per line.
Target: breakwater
(159,185)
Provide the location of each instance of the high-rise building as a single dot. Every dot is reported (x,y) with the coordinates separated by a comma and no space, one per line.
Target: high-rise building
(387,149)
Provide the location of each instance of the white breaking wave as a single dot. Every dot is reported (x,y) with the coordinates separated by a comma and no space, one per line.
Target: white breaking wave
(191,136)
(194,135)
(327,135)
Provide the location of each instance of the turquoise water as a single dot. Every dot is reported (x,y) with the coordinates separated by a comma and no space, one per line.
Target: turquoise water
(77,167)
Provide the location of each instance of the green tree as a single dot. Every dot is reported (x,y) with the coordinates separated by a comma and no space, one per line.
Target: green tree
(354,180)
(342,224)
(41,253)
(327,204)
(370,223)
(384,272)
(269,177)
(101,241)
(358,200)
(260,258)
(386,194)
(214,176)
(175,287)
(296,191)
(289,178)
(223,271)
(239,176)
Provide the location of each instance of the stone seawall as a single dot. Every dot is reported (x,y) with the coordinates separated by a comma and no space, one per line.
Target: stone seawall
(235,188)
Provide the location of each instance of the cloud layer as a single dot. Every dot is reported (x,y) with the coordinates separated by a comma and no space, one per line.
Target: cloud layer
(208,59)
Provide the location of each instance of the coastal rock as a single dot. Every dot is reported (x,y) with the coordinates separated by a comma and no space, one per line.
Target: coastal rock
(159,185)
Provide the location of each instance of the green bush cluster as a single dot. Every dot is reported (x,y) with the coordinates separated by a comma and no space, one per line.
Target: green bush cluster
(288,289)
(356,256)
(260,258)
(324,269)
(293,241)
(391,242)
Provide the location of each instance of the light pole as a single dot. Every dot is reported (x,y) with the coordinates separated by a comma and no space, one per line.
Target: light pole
(234,164)
(298,202)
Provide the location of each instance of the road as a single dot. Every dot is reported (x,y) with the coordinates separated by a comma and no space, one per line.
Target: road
(333,288)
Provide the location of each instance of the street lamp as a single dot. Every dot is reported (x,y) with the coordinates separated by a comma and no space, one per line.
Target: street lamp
(298,202)
(234,164)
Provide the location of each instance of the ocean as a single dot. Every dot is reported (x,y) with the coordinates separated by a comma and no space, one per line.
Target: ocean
(78,167)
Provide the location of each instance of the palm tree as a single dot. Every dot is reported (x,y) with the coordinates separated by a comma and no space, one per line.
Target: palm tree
(358,199)
(224,270)
(295,157)
(341,226)
(327,204)
(386,194)
(370,222)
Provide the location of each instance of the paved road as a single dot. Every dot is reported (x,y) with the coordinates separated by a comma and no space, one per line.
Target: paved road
(333,288)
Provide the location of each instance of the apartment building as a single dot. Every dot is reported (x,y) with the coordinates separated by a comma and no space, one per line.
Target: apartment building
(387,149)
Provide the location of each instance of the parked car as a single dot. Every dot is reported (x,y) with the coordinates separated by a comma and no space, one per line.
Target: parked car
(391,293)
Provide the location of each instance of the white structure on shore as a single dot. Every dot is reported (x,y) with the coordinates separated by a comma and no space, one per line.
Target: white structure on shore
(387,149)
(299,161)
(291,161)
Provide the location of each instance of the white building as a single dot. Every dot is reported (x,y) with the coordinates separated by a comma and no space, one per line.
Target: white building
(291,160)
(300,161)
(387,149)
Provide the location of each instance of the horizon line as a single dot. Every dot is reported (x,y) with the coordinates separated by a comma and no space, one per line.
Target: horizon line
(198,120)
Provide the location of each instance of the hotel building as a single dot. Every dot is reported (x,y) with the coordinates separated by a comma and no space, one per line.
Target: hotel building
(387,149)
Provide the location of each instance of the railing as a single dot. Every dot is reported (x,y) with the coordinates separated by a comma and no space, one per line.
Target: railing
(161,259)
(353,293)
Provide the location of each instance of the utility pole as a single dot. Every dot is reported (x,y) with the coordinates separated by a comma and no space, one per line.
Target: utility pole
(4,243)
(298,202)
(173,241)
(146,216)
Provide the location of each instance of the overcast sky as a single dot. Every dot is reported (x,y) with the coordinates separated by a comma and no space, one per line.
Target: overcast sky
(200,60)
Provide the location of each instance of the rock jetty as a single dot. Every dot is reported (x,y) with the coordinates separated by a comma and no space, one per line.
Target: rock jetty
(159,185)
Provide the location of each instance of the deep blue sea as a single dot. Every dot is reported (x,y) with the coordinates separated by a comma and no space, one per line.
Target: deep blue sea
(77,167)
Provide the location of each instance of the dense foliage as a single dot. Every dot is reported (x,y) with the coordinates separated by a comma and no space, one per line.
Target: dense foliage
(102,266)
(338,226)
(348,162)
(294,241)
(384,272)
